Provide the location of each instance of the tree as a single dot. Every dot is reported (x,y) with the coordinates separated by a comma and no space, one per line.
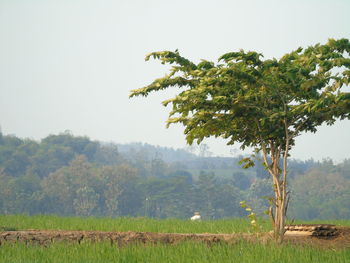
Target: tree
(75,189)
(264,104)
(86,201)
(241,180)
(115,180)
(325,197)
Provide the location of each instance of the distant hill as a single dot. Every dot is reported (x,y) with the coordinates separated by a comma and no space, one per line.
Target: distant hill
(167,154)
(73,175)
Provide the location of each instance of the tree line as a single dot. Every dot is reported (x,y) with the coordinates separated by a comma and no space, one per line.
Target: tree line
(75,176)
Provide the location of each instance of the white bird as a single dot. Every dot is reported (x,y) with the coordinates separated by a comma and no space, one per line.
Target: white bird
(196,217)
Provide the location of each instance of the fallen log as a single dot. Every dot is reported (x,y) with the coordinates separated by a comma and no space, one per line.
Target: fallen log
(311,230)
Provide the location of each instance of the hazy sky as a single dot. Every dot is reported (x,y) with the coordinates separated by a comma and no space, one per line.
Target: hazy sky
(69,65)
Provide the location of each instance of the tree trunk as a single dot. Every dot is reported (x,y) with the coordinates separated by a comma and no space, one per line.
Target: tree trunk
(279,203)
(279,218)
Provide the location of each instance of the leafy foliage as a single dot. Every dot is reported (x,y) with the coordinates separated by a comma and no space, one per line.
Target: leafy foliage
(263,104)
(249,100)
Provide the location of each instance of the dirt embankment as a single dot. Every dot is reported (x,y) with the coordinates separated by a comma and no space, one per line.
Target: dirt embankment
(45,237)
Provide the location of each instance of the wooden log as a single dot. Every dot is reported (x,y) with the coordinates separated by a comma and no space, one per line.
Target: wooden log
(298,233)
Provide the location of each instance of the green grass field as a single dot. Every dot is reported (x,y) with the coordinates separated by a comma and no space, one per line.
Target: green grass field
(21,222)
(184,252)
(142,224)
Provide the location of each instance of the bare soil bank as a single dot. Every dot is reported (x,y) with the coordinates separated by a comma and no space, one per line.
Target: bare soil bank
(340,240)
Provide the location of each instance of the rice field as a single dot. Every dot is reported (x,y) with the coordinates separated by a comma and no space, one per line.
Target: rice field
(183,252)
(141,224)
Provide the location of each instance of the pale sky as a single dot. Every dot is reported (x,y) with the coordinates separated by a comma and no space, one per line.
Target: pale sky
(70,64)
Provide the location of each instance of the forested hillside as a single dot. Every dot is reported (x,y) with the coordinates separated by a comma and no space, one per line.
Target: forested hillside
(73,175)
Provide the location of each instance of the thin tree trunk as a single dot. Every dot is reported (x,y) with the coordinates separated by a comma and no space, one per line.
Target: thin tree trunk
(279,204)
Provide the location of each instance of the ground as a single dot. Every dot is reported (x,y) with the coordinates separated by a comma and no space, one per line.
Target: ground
(340,240)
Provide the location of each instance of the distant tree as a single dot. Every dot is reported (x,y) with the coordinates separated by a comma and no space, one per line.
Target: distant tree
(86,201)
(11,140)
(326,196)
(345,168)
(20,194)
(112,189)
(78,144)
(184,174)
(70,187)
(50,158)
(297,167)
(258,192)
(241,180)
(206,189)
(158,167)
(17,164)
(264,104)
(129,200)
(115,180)
(215,197)
(204,150)
(107,154)
(16,158)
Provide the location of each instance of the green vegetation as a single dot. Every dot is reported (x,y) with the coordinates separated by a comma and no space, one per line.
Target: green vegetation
(72,175)
(138,180)
(142,224)
(184,252)
(260,103)
(22,222)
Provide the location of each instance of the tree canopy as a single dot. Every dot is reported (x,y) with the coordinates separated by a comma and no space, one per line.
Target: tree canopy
(246,99)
